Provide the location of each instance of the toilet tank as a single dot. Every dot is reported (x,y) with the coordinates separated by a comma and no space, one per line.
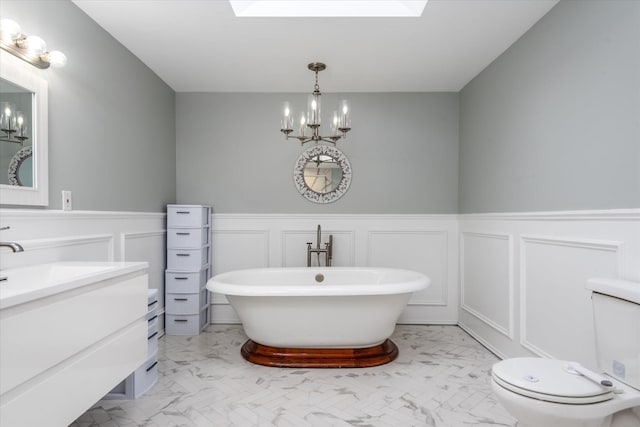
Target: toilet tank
(616,310)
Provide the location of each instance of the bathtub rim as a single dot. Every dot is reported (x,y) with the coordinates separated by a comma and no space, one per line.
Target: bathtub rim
(413,282)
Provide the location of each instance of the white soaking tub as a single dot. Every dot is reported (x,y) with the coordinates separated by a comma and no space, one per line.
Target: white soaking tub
(317,311)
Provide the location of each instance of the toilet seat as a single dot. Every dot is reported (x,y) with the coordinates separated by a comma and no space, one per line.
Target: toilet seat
(548,380)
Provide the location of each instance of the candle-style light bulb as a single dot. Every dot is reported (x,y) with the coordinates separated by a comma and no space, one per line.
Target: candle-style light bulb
(303,122)
(345,116)
(313,110)
(287,119)
(8,121)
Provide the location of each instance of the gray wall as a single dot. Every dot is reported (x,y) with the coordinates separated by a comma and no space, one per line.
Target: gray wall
(554,123)
(111,119)
(403,151)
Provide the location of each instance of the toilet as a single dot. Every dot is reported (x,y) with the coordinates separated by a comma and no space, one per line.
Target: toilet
(555,393)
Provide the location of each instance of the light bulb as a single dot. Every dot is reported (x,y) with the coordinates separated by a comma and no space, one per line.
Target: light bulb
(34,44)
(9,30)
(55,58)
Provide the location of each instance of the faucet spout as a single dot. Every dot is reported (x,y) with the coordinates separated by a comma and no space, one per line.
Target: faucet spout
(318,237)
(15,247)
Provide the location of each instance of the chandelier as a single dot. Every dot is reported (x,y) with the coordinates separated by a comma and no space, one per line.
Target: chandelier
(12,124)
(340,123)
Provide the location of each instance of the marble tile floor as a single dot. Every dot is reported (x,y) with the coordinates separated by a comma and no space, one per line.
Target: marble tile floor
(440,378)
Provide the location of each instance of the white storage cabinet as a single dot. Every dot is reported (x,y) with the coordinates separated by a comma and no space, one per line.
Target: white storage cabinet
(188,269)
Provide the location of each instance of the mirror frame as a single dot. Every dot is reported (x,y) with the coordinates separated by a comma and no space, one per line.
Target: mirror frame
(25,75)
(341,160)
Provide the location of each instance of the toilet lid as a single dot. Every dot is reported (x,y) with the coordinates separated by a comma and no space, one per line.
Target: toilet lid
(547,379)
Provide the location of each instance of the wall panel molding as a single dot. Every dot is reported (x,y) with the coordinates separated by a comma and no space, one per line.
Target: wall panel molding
(50,236)
(413,249)
(586,215)
(358,241)
(496,271)
(553,255)
(544,280)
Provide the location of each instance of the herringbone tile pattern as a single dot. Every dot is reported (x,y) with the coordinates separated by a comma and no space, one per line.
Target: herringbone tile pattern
(441,378)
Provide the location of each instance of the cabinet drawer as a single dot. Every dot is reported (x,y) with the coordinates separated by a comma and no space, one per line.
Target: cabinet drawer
(187,259)
(187,237)
(152,343)
(187,216)
(178,324)
(32,343)
(185,303)
(146,375)
(152,303)
(185,283)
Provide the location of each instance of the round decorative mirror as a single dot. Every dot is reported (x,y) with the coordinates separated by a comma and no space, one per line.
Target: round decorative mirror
(21,168)
(322,174)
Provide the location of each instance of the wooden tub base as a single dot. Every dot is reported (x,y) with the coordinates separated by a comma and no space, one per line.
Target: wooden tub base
(319,357)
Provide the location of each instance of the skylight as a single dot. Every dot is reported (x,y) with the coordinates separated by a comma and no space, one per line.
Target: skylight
(328,8)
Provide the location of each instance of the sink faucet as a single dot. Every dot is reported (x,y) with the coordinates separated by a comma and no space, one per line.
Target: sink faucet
(327,251)
(15,247)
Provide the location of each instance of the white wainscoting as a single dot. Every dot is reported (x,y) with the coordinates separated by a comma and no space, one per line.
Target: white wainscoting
(523,277)
(50,235)
(425,243)
(486,279)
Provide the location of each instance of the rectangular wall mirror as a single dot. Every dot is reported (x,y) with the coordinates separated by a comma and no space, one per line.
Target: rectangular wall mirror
(23,134)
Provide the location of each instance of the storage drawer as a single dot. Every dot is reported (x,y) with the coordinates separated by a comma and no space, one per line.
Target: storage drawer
(177,324)
(187,237)
(185,303)
(187,259)
(185,283)
(187,216)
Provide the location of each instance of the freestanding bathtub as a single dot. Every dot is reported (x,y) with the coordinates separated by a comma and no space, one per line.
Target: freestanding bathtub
(319,317)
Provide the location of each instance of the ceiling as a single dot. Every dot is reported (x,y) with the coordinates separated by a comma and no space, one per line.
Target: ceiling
(200,46)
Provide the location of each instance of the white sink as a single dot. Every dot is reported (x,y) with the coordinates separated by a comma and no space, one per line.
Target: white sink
(29,283)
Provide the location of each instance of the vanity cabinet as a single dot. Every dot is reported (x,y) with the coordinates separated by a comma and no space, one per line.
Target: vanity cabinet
(69,332)
(188,269)
(142,379)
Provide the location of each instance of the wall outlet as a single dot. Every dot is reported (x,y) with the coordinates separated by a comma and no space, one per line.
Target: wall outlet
(66,200)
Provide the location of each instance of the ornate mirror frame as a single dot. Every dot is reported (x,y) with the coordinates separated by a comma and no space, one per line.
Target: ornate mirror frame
(306,157)
(22,74)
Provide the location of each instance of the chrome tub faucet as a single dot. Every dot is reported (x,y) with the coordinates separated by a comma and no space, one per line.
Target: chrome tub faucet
(327,251)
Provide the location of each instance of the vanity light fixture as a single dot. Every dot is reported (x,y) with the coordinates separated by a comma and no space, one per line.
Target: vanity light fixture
(31,49)
(340,122)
